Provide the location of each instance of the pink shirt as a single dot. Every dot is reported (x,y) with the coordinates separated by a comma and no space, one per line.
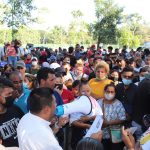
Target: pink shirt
(11,51)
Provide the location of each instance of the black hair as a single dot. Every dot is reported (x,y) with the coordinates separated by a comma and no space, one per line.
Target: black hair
(82,82)
(43,73)
(75,83)
(145,69)
(70,50)
(39,98)
(4,82)
(7,66)
(96,58)
(127,69)
(110,47)
(89,144)
(110,85)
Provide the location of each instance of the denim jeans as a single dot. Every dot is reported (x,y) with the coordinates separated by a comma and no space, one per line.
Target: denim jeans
(12,60)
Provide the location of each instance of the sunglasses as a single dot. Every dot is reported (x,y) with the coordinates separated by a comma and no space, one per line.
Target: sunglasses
(19,68)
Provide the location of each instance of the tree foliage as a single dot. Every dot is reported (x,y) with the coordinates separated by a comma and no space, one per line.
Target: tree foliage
(129,31)
(18,13)
(108,17)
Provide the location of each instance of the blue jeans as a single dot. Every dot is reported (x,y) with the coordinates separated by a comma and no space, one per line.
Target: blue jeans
(12,60)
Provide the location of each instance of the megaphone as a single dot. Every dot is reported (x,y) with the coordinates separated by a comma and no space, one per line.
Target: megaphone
(82,105)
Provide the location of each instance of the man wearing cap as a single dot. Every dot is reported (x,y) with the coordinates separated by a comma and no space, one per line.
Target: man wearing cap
(21,67)
(53,62)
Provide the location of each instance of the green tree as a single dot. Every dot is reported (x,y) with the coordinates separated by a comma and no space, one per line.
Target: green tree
(57,35)
(129,31)
(28,35)
(18,13)
(128,38)
(108,17)
(78,31)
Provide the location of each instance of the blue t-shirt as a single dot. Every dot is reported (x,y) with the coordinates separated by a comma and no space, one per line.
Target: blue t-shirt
(21,102)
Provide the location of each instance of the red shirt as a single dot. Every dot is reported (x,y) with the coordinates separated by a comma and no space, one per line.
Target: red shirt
(11,51)
(67,96)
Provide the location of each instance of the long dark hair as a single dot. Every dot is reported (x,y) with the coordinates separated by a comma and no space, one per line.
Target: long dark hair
(89,144)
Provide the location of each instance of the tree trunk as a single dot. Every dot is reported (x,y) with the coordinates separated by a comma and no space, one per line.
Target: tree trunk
(98,42)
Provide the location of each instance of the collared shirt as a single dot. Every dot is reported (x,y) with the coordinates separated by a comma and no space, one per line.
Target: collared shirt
(34,133)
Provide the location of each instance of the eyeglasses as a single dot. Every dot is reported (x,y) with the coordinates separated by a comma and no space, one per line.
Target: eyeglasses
(19,68)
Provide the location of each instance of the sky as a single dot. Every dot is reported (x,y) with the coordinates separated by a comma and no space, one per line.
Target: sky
(58,12)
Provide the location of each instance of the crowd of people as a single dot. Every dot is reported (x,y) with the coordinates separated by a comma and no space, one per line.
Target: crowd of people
(34,81)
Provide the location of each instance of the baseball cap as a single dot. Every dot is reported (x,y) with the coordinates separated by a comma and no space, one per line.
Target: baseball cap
(45,64)
(20,63)
(52,58)
(54,65)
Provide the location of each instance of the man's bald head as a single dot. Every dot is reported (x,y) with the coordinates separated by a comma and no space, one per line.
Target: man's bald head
(15,74)
(17,79)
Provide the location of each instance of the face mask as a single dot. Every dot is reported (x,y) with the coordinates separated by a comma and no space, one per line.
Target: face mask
(142,78)
(109,96)
(114,78)
(99,79)
(34,63)
(126,81)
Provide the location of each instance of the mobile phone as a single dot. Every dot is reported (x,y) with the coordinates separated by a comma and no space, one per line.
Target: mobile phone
(59,86)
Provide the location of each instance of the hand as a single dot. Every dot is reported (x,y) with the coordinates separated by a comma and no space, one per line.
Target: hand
(97,136)
(84,118)
(128,139)
(15,94)
(54,120)
(58,90)
(55,128)
(62,121)
(105,123)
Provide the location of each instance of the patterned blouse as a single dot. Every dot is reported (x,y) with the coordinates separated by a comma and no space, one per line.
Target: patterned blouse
(114,111)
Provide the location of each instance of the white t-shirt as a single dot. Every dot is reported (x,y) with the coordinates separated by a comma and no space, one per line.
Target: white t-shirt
(34,133)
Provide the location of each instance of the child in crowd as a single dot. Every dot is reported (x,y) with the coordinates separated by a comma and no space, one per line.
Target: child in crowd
(80,122)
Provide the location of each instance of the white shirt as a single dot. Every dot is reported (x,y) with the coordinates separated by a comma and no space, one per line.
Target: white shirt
(34,133)
(8,148)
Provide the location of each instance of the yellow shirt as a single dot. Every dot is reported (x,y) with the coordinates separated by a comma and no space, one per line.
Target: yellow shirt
(97,87)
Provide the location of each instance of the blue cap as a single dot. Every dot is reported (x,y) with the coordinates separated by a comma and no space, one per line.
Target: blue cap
(52,58)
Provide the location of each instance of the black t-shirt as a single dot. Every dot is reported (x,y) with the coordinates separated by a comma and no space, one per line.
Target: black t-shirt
(8,126)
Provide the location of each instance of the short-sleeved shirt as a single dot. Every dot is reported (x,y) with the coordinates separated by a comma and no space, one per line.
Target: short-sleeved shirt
(97,87)
(114,111)
(8,126)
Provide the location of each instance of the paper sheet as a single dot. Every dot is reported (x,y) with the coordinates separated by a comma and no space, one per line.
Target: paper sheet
(96,126)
